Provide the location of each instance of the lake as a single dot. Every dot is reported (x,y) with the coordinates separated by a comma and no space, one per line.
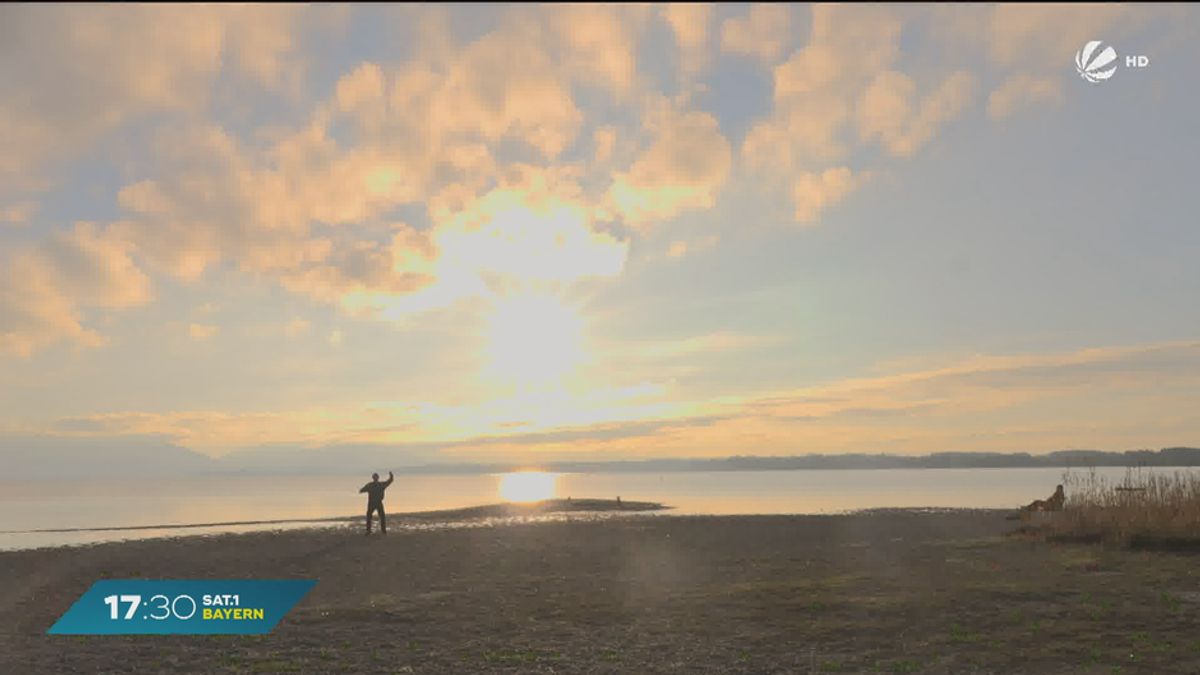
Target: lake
(67,504)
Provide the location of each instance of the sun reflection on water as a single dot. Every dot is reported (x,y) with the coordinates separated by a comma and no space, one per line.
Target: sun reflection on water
(527,486)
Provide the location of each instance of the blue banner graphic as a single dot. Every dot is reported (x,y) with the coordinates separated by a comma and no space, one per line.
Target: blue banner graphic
(145,607)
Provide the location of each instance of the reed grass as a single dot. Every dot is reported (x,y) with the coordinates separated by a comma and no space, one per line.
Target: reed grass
(1144,509)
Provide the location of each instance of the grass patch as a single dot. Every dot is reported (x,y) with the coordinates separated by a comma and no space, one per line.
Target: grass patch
(957,634)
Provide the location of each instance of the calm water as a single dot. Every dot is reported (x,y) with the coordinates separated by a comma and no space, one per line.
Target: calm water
(97,504)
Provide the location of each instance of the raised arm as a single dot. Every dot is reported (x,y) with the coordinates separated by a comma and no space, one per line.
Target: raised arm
(363,489)
(390,478)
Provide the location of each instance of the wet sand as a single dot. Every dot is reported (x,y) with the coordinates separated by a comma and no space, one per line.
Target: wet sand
(888,591)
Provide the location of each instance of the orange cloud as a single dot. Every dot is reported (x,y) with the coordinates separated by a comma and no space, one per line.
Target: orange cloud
(690,23)
(814,192)
(683,170)
(961,403)
(889,110)
(597,43)
(100,66)
(48,283)
(843,74)
(817,88)
(764,32)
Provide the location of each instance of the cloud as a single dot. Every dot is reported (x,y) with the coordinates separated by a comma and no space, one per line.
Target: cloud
(537,224)
(680,248)
(1022,91)
(209,203)
(47,283)
(214,201)
(847,47)
(604,139)
(846,74)
(816,90)
(364,275)
(814,192)
(987,383)
(797,138)
(921,411)
(485,133)
(597,43)
(17,213)
(690,23)
(199,332)
(1145,388)
(87,70)
(889,110)
(764,32)
(296,327)
(422,132)
(682,170)
(502,85)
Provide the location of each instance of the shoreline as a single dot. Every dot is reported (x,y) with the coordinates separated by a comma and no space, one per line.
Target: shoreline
(464,516)
(506,510)
(507,513)
(482,511)
(495,511)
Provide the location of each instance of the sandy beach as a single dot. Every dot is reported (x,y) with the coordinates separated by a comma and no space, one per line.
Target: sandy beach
(890,591)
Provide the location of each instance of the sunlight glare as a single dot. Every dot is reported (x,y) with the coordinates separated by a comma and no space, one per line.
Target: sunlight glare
(527,486)
(534,340)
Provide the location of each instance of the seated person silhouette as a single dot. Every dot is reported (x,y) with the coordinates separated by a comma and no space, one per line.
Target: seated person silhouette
(1054,503)
(374,491)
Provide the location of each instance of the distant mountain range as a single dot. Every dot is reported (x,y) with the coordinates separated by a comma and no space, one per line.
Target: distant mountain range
(47,457)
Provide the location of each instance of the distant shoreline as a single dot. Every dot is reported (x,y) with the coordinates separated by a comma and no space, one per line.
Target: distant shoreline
(50,466)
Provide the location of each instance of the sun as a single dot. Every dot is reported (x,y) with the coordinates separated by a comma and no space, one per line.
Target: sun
(534,340)
(527,486)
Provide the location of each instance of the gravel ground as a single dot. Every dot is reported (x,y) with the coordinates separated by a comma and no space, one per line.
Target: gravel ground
(888,591)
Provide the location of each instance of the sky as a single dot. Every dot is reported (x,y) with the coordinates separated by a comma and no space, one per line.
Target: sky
(509,232)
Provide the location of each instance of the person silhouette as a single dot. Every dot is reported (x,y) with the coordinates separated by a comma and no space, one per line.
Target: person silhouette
(374,491)
(1054,503)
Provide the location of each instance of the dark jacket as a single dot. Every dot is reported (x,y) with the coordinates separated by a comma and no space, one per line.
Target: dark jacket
(375,489)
